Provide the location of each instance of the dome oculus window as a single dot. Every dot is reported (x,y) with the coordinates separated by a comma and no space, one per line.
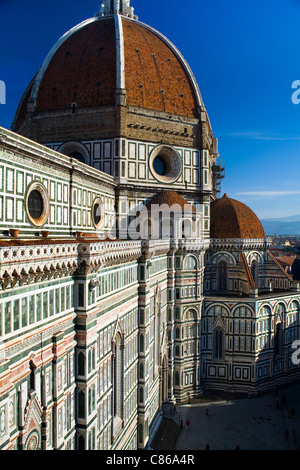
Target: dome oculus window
(165,164)
(37,204)
(75,150)
(78,156)
(97,213)
(160,166)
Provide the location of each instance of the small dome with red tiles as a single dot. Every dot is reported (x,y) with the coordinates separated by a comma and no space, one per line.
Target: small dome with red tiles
(170,199)
(233,219)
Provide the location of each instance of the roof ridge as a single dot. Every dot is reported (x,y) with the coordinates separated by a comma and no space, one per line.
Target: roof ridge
(248,272)
(236,215)
(280,267)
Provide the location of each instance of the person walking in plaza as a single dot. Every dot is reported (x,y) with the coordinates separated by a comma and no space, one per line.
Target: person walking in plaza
(187,424)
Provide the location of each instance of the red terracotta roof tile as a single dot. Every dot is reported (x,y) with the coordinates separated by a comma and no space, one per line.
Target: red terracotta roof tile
(170,198)
(155,77)
(233,219)
(83,70)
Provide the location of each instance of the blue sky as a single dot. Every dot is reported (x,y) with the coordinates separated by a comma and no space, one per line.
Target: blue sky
(245,56)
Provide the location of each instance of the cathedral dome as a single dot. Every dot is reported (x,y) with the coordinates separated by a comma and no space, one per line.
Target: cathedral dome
(170,199)
(233,219)
(108,54)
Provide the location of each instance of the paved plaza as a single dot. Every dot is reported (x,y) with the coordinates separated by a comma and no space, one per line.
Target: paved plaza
(267,422)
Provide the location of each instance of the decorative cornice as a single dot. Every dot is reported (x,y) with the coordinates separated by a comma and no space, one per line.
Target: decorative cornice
(44,156)
(29,264)
(240,244)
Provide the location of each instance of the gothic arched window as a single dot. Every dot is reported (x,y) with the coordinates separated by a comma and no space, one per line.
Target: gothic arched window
(278,339)
(81,404)
(32,375)
(78,156)
(218,343)
(222,274)
(118,376)
(81,363)
(156,332)
(141,370)
(254,272)
(279,329)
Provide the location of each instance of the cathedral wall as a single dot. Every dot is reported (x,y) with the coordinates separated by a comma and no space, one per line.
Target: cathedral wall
(106,315)
(37,366)
(188,290)
(66,125)
(68,189)
(238,341)
(121,315)
(128,160)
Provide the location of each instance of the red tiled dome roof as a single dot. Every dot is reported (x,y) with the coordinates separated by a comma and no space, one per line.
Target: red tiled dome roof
(233,219)
(82,70)
(170,198)
(154,75)
(84,65)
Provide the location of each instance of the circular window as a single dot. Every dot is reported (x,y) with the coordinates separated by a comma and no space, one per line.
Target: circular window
(37,204)
(165,164)
(160,166)
(75,150)
(32,442)
(97,213)
(78,156)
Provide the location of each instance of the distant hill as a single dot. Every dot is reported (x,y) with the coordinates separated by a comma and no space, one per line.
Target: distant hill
(282,226)
(291,218)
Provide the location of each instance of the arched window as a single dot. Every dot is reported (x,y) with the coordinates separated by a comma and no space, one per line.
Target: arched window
(254,272)
(222,274)
(81,443)
(81,363)
(190,263)
(279,328)
(78,156)
(186,228)
(32,375)
(91,399)
(280,311)
(75,150)
(118,376)
(142,343)
(166,225)
(156,332)
(141,370)
(172,225)
(81,404)
(141,433)
(278,339)
(218,343)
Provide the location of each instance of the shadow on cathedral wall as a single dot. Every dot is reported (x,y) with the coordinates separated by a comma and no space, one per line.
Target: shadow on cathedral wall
(251,354)
(278,361)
